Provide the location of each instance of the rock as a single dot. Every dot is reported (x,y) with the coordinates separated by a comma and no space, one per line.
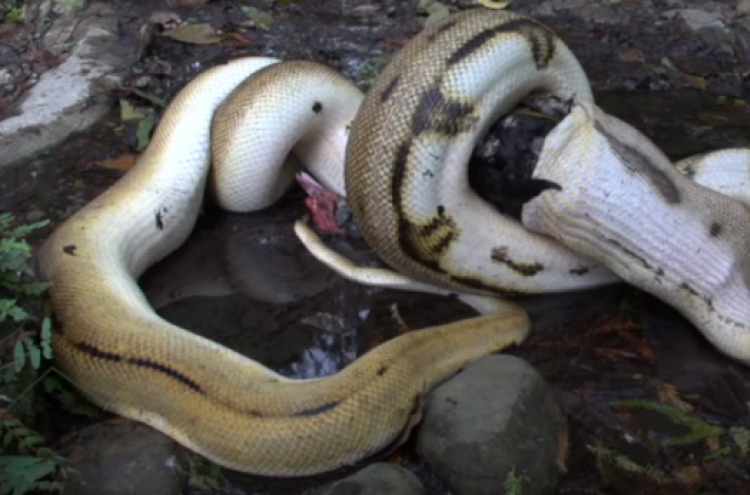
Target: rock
(123,458)
(376,479)
(5,77)
(35,215)
(699,19)
(65,99)
(497,416)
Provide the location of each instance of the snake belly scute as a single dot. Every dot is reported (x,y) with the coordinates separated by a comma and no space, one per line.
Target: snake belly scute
(682,240)
(220,404)
(407,156)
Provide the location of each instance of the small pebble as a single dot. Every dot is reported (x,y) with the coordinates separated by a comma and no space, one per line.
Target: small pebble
(34,215)
(142,82)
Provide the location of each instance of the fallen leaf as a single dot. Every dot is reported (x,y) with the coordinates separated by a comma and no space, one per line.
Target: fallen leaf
(631,55)
(697,81)
(197,34)
(124,162)
(563,449)
(159,102)
(367,7)
(143,132)
(238,39)
(493,4)
(129,112)
(668,394)
(261,19)
(435,11)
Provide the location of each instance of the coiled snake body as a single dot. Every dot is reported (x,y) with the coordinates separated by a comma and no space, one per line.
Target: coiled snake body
(406,182)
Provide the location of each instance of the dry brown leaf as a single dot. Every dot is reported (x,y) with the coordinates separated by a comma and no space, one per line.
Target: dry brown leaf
(669,395)
(367,7)
(697,81)
(631,55)
(124,163)
(563,449)
(238,39)
(197,34)
(688,476)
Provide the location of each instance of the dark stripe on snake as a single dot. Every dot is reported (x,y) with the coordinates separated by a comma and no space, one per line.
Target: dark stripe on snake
(715,230)
(70,249)
(445,27)
(582,270)
(540,40)
(388,91)
(436,113)
(638,163)
(500,255)
(318,410)
(161,368)
(96,352)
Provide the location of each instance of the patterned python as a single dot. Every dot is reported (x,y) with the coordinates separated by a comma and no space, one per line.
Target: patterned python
(406,182)
(692,254)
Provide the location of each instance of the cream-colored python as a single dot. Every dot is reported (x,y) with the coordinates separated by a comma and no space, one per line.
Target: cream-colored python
(212,400)
(622,202)
(407,185)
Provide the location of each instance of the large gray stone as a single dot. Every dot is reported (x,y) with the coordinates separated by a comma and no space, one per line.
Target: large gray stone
(496,416)
(74,95)
(376,479)
(124,458)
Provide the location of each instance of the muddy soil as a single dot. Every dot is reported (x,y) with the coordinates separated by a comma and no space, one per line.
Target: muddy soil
(680,80)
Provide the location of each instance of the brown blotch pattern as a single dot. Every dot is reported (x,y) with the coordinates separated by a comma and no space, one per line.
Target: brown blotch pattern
(388,91)
(441,115)
(500,254)
(313,411)
(540,39)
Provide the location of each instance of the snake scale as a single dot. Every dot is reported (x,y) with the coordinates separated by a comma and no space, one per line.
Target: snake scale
(405,179)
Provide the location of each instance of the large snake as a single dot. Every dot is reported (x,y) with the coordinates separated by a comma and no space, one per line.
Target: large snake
(622,202)
(406,181)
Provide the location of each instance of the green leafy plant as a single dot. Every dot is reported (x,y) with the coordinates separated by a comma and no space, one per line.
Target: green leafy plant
(203,475)
(513,484)
(26,463)
(697,428)
(33,463)
(608,457)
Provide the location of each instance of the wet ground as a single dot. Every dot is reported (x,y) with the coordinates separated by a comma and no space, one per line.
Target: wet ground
(652,407)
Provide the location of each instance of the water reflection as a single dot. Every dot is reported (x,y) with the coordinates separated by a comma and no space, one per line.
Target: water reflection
(247,283)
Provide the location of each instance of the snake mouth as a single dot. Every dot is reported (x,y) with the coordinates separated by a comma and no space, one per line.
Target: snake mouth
(500,168)
(503,162)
